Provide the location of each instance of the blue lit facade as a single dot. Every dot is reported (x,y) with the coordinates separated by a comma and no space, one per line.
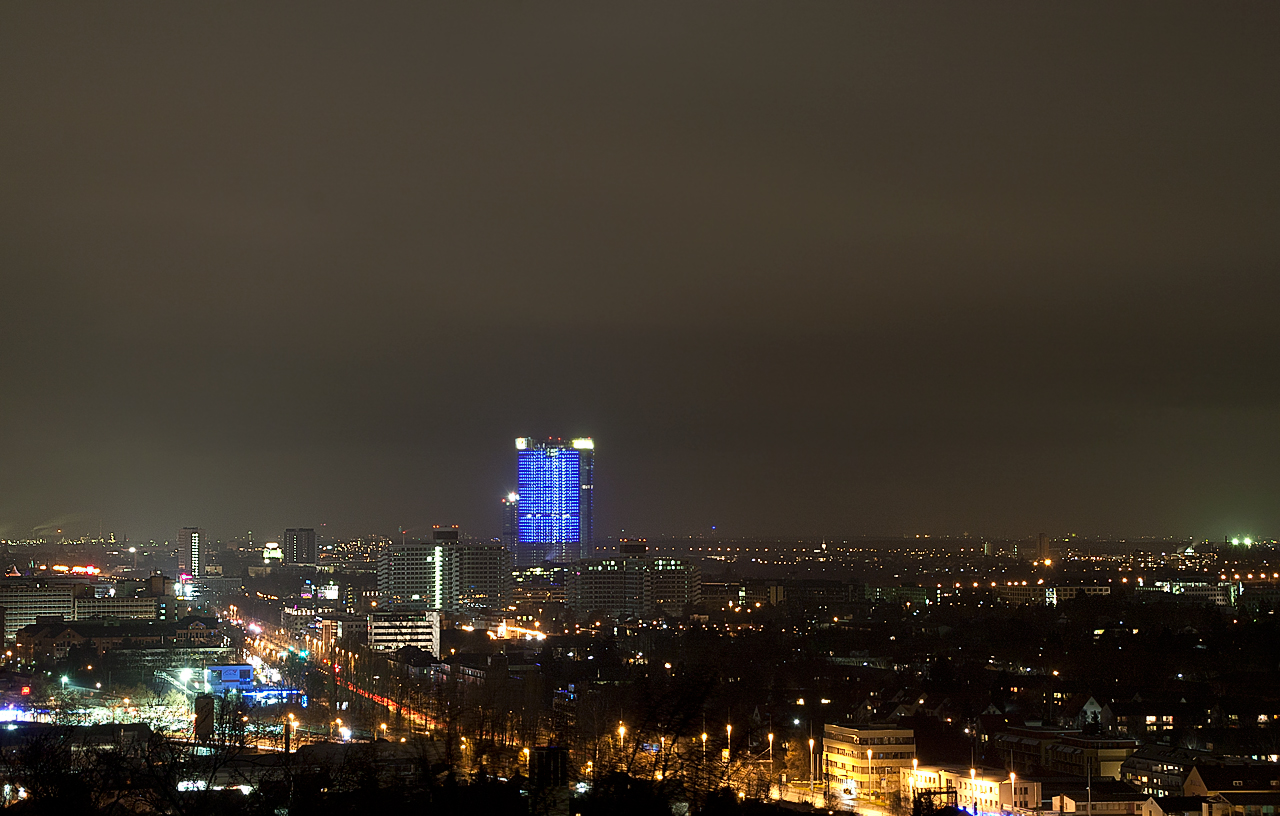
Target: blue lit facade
(555,500)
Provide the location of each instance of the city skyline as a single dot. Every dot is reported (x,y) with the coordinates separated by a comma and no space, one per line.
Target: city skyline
(929,351)
(835,271)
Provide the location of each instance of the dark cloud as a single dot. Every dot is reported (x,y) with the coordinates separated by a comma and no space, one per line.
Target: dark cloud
(825,268)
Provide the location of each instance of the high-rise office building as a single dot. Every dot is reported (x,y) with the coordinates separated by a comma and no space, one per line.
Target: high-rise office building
(444,574)
(193,548)
(300,546)
(511,521)
(555,519)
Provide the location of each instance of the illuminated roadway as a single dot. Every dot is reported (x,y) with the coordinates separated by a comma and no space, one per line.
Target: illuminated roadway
(268,644)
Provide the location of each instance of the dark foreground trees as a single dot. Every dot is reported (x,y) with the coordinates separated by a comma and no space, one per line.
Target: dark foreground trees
(114,770)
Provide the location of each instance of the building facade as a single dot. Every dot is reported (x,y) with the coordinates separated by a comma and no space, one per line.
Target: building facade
(193,550)
(866,759)
(556,500)
(445,574)
(394,630)
(479,575)
(300,546)
(638,586)
(24,601)
(511,521)
(978,790)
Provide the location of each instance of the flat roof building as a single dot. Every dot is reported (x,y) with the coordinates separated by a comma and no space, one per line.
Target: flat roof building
(556,495)
(866,759)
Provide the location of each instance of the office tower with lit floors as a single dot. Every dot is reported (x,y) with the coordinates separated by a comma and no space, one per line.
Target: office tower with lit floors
(193,545)
(510,521)
(555,517)
(446,574)
(300,546)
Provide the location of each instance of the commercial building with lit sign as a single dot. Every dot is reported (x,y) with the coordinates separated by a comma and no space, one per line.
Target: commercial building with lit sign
(193,546)
(221,679)
(555,517)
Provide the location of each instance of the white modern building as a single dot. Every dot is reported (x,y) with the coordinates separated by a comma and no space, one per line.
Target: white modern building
(394,630)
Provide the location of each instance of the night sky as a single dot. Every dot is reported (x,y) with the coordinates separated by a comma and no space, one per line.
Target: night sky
(799,268)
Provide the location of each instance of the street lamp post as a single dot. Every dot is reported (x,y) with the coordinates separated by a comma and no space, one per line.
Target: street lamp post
(812,772)
(973,775)
(704,746)
(771,754)
(869,790)
(728,729)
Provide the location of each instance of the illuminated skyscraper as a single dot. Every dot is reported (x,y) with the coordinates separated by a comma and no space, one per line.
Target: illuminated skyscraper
(193,546)
(555,517)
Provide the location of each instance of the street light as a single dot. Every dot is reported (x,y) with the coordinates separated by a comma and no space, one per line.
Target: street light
(770,752)
(728,729)
(704,742)
(973,774)
(811,770)
(869,771)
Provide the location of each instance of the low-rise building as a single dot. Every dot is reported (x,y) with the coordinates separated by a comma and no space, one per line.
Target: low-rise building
(1107,802)
(55,638)
(1253,777)
(1161,770)
(866,759)
(1174,806)
(1243,804)
(1063,751)
(393,630)
(988,790)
